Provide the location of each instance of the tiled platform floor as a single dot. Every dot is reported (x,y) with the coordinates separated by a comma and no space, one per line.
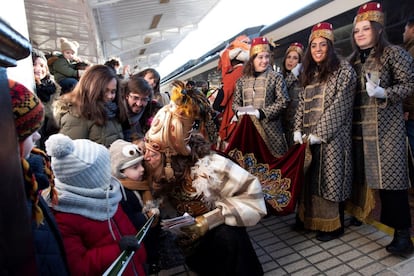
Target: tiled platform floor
(360,251)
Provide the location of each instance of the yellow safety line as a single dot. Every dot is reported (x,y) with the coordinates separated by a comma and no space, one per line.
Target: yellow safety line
(382,227)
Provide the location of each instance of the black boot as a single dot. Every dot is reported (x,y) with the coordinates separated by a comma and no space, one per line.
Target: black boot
(299,225)
(401,243)
(355,222)
(328,236)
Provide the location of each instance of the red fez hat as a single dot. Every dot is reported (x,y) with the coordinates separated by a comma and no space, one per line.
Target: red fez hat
(323,29)
(297,47)
(371,11)
(259,44)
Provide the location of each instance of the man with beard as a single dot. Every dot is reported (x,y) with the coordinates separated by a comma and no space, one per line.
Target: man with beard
(138,106)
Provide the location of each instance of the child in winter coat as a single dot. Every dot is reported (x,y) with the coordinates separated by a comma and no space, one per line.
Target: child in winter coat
(138,204)
(94,227)
(28,113)
(68,67)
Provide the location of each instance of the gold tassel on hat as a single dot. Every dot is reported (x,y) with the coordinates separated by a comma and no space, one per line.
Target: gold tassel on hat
(168,170)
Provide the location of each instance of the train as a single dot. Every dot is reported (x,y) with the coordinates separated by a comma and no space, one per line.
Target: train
(296,28)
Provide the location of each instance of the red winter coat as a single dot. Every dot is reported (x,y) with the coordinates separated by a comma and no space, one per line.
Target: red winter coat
(90,246)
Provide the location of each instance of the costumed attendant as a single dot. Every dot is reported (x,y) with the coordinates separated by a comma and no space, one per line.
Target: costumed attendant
(324,117)
(385,78)
(231,66)
(94,227)
(292,66)
(262,92)
(28,115)
(222,197)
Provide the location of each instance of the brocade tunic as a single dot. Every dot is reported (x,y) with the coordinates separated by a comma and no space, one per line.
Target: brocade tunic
(294,88)
(325,110)
(267,92)
(379,134)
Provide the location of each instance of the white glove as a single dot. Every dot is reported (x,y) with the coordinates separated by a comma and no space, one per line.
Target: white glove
(313,139)
(297,137)
(373,89)
(233,119)
(297,69)
(253,112)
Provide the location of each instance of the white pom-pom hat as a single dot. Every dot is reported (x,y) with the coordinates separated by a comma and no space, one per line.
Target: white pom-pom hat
(80,163)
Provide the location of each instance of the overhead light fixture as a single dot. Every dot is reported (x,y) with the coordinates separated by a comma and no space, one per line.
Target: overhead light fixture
(147,40)
(155,21)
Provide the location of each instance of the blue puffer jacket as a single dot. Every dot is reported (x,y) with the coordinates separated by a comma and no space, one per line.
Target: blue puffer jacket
(49,249)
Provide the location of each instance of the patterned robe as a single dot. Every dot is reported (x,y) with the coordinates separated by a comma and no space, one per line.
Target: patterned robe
(325,110)
(294,88)
(379,134)
(380,150)
(267,92)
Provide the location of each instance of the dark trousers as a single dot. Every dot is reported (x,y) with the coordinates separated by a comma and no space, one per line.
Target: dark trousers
(395,210)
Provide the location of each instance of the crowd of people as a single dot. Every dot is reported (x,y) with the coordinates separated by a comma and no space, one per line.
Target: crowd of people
(103,151)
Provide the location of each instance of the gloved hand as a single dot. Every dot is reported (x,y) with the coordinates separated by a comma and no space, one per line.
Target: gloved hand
(255,112)
(202,224)
(297,69)
(373,89)
(313,139)
(297,137)
(128,243)
(233,119)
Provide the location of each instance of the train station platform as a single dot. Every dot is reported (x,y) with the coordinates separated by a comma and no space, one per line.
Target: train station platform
(360,251)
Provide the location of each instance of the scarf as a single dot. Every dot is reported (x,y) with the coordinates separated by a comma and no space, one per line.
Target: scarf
(111,109)
(38,176)
(141,186)
(97,204)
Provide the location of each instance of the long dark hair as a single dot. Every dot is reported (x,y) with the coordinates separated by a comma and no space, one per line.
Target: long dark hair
(88,94)
(284,70)
(380,38)
(324,69)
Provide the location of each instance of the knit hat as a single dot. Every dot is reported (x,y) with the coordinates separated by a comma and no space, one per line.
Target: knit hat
(124,155)
(68,45)
(28,110)
(297,47)
(81,163)
(371,11)
(259,44)
(83,177)
(323,29)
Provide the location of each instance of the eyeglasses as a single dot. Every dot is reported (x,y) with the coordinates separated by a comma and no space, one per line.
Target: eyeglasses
(138,99)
